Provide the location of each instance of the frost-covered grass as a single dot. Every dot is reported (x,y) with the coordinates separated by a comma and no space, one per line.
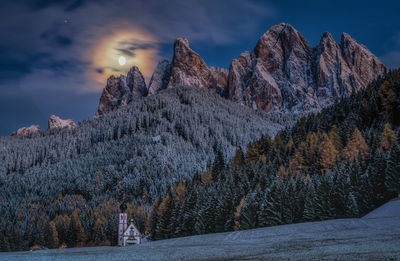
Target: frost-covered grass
(373,237)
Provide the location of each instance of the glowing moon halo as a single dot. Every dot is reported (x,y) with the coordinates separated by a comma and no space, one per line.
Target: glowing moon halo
(105,55)
(122,60)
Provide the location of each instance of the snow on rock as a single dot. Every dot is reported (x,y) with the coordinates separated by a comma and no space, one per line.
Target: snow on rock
(136,84)
(122,90)
(56,122)
(188,68)
(219,78)
(160,78)
(284,73)
(26,131)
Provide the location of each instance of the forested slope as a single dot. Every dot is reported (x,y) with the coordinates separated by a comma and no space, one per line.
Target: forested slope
(342,162)
(131,154)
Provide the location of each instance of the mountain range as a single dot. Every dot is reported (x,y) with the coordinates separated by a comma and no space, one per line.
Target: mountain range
(283,73)
(202,150)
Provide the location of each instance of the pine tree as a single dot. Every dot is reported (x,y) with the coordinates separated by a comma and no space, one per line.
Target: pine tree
(163,228)
(62,225)
(238,214)
(4,244)
(355,146)
(335,137)
(277,143)
(253,153)
(77,236)
(309,213)
(238,160)
(392,181)
(207,177)
(271,210)
(152,219)
(297,162)
(328,153)
(51,236)
(250,211)
(224,216)
(180,192)
(99,228)
(387,97)
(351,206)
(189,218)
(387,138)
(218,166)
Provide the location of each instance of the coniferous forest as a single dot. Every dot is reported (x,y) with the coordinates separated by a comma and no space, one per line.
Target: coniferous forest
(342,162)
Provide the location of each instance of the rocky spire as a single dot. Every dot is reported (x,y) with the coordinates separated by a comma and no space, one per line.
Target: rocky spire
(188,68)
(361,61)
(160,78)
(121,90)
(136,84)
(284,73)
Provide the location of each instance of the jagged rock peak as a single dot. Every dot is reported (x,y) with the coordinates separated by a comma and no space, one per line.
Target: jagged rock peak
(326,39)
(188,68)
(280,38)
(135,82)
(160,78)
(284,73)
(121,90)
(219,78)
(56,122)
(26,131)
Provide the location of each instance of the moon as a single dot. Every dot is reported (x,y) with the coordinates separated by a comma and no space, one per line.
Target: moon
(107,59)
(121,60)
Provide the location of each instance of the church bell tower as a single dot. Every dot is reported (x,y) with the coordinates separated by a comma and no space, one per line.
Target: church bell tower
(123,224)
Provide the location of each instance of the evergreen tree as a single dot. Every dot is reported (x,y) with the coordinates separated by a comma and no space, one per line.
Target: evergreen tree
(218,166)
(238,213)
(310,204)
(207,177)
(351,206)
(163,228)
(51,236)
(253,152)
(152,219)
(355,146)
(328,153)
(77,236)
(238,160)
(335,138)
(387,138)
(392,181)
(387,98)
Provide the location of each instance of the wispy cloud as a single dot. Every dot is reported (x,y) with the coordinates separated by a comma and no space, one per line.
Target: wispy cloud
(49,44)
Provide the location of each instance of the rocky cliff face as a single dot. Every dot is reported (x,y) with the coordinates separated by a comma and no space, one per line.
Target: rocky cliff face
(188,68)
(56,122)
(26,131)
(160,78)
(121,90)
(219,79)
(282,74)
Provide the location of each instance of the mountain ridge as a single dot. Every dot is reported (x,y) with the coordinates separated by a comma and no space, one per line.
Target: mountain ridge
(283,73)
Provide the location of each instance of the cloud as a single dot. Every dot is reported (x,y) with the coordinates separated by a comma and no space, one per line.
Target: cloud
(49,47)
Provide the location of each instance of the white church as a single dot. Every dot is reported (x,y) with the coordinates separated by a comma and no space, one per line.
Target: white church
(127,235)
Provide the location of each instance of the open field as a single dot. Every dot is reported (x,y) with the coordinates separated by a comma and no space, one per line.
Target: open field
(376,236)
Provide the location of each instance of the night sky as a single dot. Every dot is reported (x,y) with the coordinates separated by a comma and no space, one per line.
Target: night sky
(55,55)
